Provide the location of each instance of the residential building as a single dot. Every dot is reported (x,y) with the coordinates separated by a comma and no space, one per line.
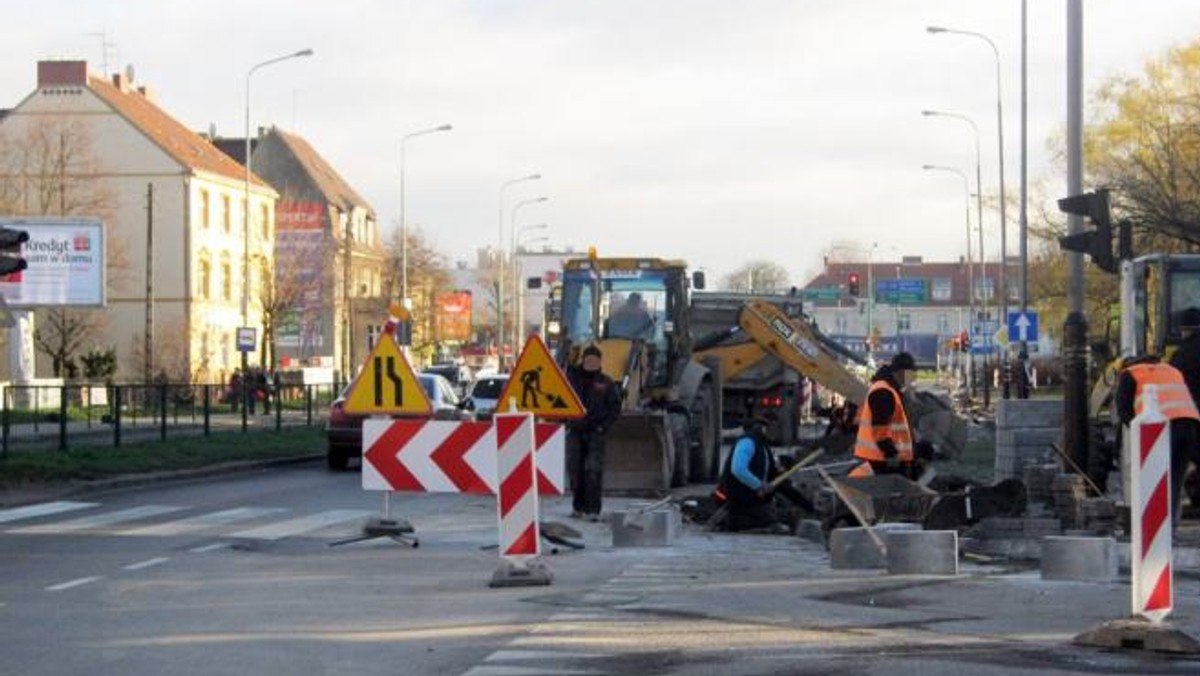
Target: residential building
(330,263)
(173,206)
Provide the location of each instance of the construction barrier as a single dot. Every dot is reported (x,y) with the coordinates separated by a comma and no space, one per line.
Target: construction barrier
(517,502)
(1150,545)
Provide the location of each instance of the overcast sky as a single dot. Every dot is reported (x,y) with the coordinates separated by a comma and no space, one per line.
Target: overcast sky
(714,131)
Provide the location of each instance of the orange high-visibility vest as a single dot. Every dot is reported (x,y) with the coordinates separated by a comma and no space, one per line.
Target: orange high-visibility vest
(1174,399)
(871,432)
(863,470)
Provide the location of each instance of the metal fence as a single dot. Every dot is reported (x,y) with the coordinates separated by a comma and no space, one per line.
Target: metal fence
(50,417)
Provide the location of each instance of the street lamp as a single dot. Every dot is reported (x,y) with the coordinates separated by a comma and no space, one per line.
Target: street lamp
(512,220)
(246,216)
(970,274)
(978,193)
(403,222)
(870,302)
(500,267)
(1003,308)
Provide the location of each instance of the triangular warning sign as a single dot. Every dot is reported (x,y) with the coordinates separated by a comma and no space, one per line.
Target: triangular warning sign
(387,384)
(538,386)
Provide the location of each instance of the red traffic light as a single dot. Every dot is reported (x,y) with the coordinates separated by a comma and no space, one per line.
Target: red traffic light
(852,285)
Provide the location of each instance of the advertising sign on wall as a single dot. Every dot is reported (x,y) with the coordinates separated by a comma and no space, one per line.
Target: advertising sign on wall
(66,263)
(452,316)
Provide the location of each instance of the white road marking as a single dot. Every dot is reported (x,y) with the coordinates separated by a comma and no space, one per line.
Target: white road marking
(99,520)
(203,521)
(73,583)
(209,548)
(533,655)
(147,563)
(43,509)
(496,670)
(302,524)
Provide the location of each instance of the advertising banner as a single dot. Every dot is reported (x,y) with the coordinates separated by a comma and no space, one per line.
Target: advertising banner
(66,263)
(452,316)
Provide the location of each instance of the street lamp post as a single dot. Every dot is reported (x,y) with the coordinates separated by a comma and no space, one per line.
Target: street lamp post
(871,303)
(1003,290)
(404,223)
(500,267)
(970,277)
(246,217)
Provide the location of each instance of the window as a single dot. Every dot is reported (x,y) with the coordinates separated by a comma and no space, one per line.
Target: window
(941,289)
(204,209)
(265,214)
(226,214)
(226,280)
(205,277)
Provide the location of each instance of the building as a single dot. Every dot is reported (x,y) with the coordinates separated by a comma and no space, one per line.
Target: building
(173,206)
(330,263)
(919,307)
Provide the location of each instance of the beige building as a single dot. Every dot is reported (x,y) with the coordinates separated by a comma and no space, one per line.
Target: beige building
(154,180)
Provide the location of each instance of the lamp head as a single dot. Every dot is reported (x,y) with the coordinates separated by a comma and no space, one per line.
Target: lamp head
(934,29)
(444,127)
(304,52)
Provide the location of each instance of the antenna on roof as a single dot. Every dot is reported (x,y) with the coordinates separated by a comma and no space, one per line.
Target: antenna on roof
(129,72)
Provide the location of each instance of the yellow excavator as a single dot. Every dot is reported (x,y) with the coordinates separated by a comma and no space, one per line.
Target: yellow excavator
(639,312)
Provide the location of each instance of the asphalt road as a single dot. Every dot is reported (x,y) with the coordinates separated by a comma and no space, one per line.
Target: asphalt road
(236,575)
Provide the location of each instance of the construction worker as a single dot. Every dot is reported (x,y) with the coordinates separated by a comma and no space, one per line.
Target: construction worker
(885,439)
(746,482)
(1175,402)
(585,438)
(631,320)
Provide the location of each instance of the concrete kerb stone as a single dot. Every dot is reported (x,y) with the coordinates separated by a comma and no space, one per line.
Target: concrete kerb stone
(923,552)
(655,528)
(854,549)
(1079,558)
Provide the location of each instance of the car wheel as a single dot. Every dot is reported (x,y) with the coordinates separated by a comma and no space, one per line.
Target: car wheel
(336,460)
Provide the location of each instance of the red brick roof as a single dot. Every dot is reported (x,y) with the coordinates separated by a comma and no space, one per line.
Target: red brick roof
(185,146)
(328,181)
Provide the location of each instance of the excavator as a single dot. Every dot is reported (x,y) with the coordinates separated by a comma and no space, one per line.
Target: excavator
(675,384)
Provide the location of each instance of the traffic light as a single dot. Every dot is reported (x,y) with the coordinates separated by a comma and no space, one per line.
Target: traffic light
(852,284)
(1095,243)
(11,259)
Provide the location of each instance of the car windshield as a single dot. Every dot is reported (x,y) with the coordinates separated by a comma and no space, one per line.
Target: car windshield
(488,388)
(430,385)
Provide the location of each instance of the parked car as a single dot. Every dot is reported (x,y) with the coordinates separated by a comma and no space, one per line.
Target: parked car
(485,391)
(458,375)
(343,431)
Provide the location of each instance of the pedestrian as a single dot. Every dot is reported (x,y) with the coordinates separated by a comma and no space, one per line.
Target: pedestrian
(746,482)
(885,438)
(601,401)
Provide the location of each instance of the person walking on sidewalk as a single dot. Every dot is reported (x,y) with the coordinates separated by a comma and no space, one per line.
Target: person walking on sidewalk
(746,482)
(585,438)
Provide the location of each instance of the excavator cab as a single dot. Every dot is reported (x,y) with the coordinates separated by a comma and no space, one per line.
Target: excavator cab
(1155,292)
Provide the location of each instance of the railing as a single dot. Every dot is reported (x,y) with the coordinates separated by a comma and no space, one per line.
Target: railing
(55,417)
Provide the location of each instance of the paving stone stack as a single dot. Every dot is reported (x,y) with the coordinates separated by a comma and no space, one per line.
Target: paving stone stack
(1099,515)
(1039,482)
(1018,538)
(1070,492)
(1025,428)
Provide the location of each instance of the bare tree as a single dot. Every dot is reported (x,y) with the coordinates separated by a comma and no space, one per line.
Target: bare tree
(760,276)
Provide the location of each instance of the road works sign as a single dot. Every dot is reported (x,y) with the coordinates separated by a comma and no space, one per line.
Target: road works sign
(444,456)
(538,386)
(387,384)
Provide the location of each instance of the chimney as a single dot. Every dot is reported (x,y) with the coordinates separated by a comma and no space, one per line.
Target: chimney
(122,83)
(62,73)
(147,93)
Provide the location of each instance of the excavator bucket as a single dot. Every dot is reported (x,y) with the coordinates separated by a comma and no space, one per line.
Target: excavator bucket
(639,453)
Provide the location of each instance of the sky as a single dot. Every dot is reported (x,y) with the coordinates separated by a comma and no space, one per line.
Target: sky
(715,131)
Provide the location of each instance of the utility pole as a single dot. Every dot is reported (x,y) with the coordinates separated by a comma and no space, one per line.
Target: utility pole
(148,345)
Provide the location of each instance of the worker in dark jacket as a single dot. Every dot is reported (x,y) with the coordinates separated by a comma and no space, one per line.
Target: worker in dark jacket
(746,482)
(1175,403)
(601,400)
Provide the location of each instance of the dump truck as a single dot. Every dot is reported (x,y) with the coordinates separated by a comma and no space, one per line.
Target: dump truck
(669,432)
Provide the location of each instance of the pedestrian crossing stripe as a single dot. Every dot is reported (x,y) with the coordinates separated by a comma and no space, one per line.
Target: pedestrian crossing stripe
(386,383)
(42,509)
(538,386)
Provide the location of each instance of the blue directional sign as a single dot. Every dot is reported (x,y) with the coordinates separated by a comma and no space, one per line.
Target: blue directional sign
(1023,326)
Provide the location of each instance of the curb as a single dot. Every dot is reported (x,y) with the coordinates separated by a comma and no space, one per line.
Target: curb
(44,492)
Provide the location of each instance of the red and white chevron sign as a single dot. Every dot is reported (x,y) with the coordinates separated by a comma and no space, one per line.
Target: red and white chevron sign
(1150,545)
(517,501)
(443,456)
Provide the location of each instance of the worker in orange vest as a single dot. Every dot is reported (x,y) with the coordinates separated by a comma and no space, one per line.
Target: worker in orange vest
(885,438)
(1174,400)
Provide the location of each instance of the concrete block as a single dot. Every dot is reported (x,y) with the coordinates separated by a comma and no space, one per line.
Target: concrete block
(854,549)
(1089,559)
(930,552)
(656,528)
(811,530)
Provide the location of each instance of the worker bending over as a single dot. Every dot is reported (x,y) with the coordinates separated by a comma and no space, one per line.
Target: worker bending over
(746,482)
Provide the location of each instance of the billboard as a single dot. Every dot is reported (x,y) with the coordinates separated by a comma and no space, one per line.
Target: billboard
(66,263)
(452,316)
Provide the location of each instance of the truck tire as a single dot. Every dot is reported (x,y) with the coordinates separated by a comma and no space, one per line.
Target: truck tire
(678,427)
(336,460)
(703,446)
